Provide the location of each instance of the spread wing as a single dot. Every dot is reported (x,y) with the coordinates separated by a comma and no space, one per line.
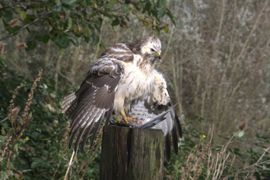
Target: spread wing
(93,102)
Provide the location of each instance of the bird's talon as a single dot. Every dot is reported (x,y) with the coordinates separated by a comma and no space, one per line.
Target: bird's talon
(129,119)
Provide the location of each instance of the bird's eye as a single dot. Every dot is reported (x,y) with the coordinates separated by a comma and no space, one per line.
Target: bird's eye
(152,50)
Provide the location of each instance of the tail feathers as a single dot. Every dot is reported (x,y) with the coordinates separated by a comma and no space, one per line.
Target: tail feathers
(67,102)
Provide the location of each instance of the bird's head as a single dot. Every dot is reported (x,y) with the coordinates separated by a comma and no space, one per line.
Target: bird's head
(151,48)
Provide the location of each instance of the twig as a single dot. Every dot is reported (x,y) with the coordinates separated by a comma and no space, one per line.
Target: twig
(252,31)
(220,22)
(69,165)
(99,39)
(3,120)
(169,43)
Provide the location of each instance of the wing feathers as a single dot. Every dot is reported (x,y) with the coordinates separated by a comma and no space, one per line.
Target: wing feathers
(90,123)
(75,127)
(80,121)
(120,52)
(82,111)
(67,102)
(91,132)
(88,106)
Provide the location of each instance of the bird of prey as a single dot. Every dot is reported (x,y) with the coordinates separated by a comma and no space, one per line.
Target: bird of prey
(123,75)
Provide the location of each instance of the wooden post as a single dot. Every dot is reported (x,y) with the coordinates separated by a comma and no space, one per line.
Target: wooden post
(132,154)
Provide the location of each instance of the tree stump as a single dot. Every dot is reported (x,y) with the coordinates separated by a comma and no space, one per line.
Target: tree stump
(132,154)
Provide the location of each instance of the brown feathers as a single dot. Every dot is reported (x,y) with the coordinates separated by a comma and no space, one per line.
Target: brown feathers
(87,107)
(122,74)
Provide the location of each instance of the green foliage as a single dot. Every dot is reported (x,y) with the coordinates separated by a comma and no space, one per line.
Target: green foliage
(41,152)
(64,21)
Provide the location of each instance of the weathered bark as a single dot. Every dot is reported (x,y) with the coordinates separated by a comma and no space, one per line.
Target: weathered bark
(132,154)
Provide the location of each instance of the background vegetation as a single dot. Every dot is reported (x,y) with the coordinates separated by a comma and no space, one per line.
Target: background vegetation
(215,59)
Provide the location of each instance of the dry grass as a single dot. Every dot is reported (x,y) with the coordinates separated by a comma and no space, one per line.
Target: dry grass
(206,162)
(82,166)
(19,123)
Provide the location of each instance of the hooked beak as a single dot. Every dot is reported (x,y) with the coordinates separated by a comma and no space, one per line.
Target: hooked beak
(157,57)
(158,54)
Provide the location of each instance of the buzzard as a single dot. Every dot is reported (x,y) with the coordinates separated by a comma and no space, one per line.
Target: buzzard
(121,83)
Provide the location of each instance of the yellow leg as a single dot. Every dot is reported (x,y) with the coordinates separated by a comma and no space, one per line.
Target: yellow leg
(123,114)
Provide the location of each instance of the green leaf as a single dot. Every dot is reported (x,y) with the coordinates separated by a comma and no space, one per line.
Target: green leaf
(44,38)
(6,14)
(62,40)
(115,22)
(31,44)
(126,8)
(171,16)
(69,24)
(21,13)
(239,134)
